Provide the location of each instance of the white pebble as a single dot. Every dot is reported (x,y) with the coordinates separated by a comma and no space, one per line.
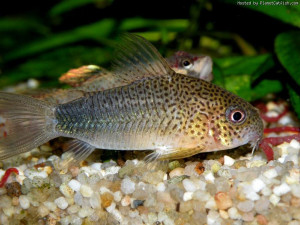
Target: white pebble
(295,144)
(252,196)
(176,172)
(296,190)
(86,191)
(294,176)
(285,120)
(24,202)
(165,177)
(2,172)
(266,191)
(111,207)
(61,203)
(30,173)
(117,215)
(85,212)
(187,196)
(74,185)
(212,217)
(209,176)
(102,190)
(234,214)
(9,211)
(271,173)
(73,209)
(117,196)
(111,170)
(281,189)
(245,206)
(274,199)
(96,166)
(272,114)
(95,201)
(257,185)
(189,185)
(133,213)
(50,205)
(127,186)
(161,187)
(66,190)
(75,220)
(32,83)
(211,204)
(228,161)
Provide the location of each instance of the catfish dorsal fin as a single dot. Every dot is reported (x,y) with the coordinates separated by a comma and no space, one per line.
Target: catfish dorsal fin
(136,59)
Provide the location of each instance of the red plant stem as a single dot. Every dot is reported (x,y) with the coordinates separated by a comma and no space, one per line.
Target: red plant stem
(282,129)
(7,174)
(273,119)
(266,142)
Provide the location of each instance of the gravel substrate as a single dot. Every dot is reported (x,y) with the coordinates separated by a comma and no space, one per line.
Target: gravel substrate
(231,187)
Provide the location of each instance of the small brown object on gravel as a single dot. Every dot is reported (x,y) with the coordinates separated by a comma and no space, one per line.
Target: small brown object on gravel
(199,168)
(13,189)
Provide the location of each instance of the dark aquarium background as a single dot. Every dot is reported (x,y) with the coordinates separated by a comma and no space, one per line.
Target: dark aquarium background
(255,45)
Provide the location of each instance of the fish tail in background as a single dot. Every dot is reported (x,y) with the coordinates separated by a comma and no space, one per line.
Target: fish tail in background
(29,123)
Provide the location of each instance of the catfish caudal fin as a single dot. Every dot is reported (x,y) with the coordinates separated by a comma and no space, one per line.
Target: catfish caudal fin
(29,123)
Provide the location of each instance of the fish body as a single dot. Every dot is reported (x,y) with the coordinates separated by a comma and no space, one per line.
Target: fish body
(158,109)
(95,78)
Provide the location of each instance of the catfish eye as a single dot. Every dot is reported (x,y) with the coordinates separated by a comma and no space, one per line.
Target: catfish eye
(235,115)
(187,64)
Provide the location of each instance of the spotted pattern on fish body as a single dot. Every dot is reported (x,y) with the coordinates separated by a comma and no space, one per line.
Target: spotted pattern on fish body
(176,115)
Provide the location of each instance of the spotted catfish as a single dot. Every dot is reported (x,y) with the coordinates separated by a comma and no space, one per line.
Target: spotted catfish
(158,109)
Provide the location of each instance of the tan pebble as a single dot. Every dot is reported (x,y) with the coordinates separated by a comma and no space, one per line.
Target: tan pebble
(83,163)
(176,172)
(223,200)
(15,201)
(238,164)
(48,169)
(185,207)
(165,197)
(115,186)
(142,210)
(221,160)
(106,199)
(43,210)
(34,159)
(295,202)
(248,216)
(224,214)
(126,200)
(232,192)
(261,220)
(74,170)
(199,168)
